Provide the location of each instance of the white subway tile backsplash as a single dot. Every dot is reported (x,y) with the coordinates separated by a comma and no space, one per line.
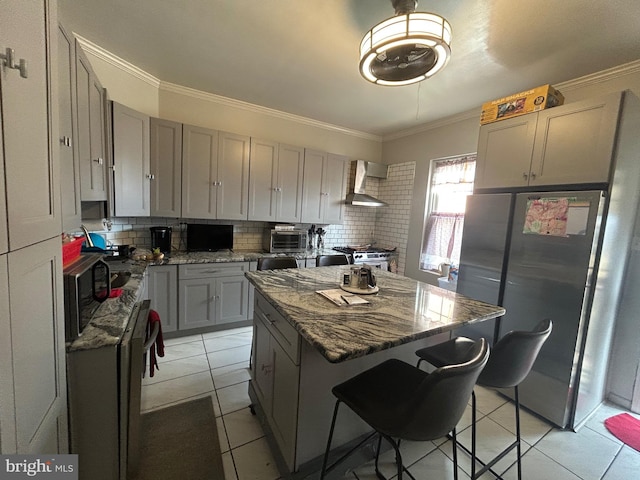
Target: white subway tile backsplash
(387,226)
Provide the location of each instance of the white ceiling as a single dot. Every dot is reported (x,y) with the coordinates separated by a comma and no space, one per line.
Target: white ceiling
(301,56)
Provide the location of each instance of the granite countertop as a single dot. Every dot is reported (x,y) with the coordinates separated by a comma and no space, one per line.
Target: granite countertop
(179,258)
(402,311)
(110,319)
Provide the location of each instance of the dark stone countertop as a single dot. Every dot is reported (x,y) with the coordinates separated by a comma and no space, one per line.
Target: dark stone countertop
(110,319)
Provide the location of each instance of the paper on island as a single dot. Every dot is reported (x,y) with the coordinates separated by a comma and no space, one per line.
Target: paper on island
(342,298)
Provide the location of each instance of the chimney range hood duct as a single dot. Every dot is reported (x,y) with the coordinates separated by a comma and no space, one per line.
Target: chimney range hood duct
(358,197)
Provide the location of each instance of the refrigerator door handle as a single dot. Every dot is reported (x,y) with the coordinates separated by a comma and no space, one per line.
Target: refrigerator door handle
(491,279)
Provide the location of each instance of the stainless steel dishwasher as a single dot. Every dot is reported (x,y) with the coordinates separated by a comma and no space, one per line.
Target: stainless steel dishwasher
(105,387)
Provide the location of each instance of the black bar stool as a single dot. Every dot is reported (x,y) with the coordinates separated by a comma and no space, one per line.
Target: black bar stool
(326,260)
(509,364)
(400,401)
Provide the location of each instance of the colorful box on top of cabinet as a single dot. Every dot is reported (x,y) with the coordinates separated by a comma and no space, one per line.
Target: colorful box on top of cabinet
(528,101)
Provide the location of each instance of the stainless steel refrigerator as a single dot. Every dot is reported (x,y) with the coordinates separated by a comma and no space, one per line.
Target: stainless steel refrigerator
(537,254)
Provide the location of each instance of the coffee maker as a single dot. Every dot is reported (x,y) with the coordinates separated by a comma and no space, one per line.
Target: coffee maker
(161,238)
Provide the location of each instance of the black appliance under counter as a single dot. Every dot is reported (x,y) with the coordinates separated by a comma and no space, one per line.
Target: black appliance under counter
(110,320)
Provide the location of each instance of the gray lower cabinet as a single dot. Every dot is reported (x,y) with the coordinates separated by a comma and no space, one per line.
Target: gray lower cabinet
(33,393)
(212,294)
(275,372)
(4,239)
(163,293)
(291,386)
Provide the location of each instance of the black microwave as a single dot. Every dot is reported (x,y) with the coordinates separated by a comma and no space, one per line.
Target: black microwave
(87,283)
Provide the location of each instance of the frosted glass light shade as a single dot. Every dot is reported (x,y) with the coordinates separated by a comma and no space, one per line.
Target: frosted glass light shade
(405,49)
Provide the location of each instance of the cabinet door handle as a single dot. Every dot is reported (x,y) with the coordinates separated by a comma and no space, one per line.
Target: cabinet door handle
(151,176)
(525,175)
(266,368)
(9,60)
(533,176)
(66,141)
(98,160)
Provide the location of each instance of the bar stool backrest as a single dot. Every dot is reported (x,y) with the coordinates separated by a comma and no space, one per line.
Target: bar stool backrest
(513,356)
(326,260)
(275,263)
(442,397)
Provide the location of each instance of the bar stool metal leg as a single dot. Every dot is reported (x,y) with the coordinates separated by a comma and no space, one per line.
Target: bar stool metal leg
(473,435)
(326,453)
(519,443)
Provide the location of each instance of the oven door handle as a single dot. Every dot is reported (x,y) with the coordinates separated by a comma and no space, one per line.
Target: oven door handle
(152,337)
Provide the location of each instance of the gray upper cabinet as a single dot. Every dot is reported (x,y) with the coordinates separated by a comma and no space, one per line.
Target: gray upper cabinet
(290,174)
(275,182)
(31,164)
(574,143)
(263,180)
(166,168)
(215,174)
(199,172)
(324,187)
(69,160)
(568,144)
(504,152)
(91,131)
(233,176)
(132,173)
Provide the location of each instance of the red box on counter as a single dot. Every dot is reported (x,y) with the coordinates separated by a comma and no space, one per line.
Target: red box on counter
(71,250)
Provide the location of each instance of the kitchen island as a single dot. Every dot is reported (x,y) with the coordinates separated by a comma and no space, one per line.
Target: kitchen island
(304,345)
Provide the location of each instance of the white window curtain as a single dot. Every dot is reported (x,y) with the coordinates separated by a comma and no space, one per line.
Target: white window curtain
(451,182)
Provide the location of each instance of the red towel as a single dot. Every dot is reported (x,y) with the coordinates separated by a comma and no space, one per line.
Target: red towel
(158,346)
(626,428)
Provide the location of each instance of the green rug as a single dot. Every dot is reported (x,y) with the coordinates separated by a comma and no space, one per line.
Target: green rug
(180,442)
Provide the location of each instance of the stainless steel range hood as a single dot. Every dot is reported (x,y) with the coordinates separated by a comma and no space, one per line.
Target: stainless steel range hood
(357,196)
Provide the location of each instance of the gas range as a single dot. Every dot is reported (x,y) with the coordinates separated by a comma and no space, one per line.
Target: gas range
(368,254)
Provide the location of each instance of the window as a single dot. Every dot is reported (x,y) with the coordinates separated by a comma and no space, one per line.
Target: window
(451,180)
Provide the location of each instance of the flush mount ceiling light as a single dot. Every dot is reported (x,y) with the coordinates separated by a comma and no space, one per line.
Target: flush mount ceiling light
(407,48)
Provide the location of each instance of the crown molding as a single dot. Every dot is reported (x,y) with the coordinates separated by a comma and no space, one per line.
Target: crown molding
(601,77)
(97,51)
(231,102)
(442,122)
(574,84)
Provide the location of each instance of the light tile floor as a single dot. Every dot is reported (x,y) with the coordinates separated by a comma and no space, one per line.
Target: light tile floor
(216,365)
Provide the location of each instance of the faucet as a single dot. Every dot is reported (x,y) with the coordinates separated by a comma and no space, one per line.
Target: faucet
(87,236)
